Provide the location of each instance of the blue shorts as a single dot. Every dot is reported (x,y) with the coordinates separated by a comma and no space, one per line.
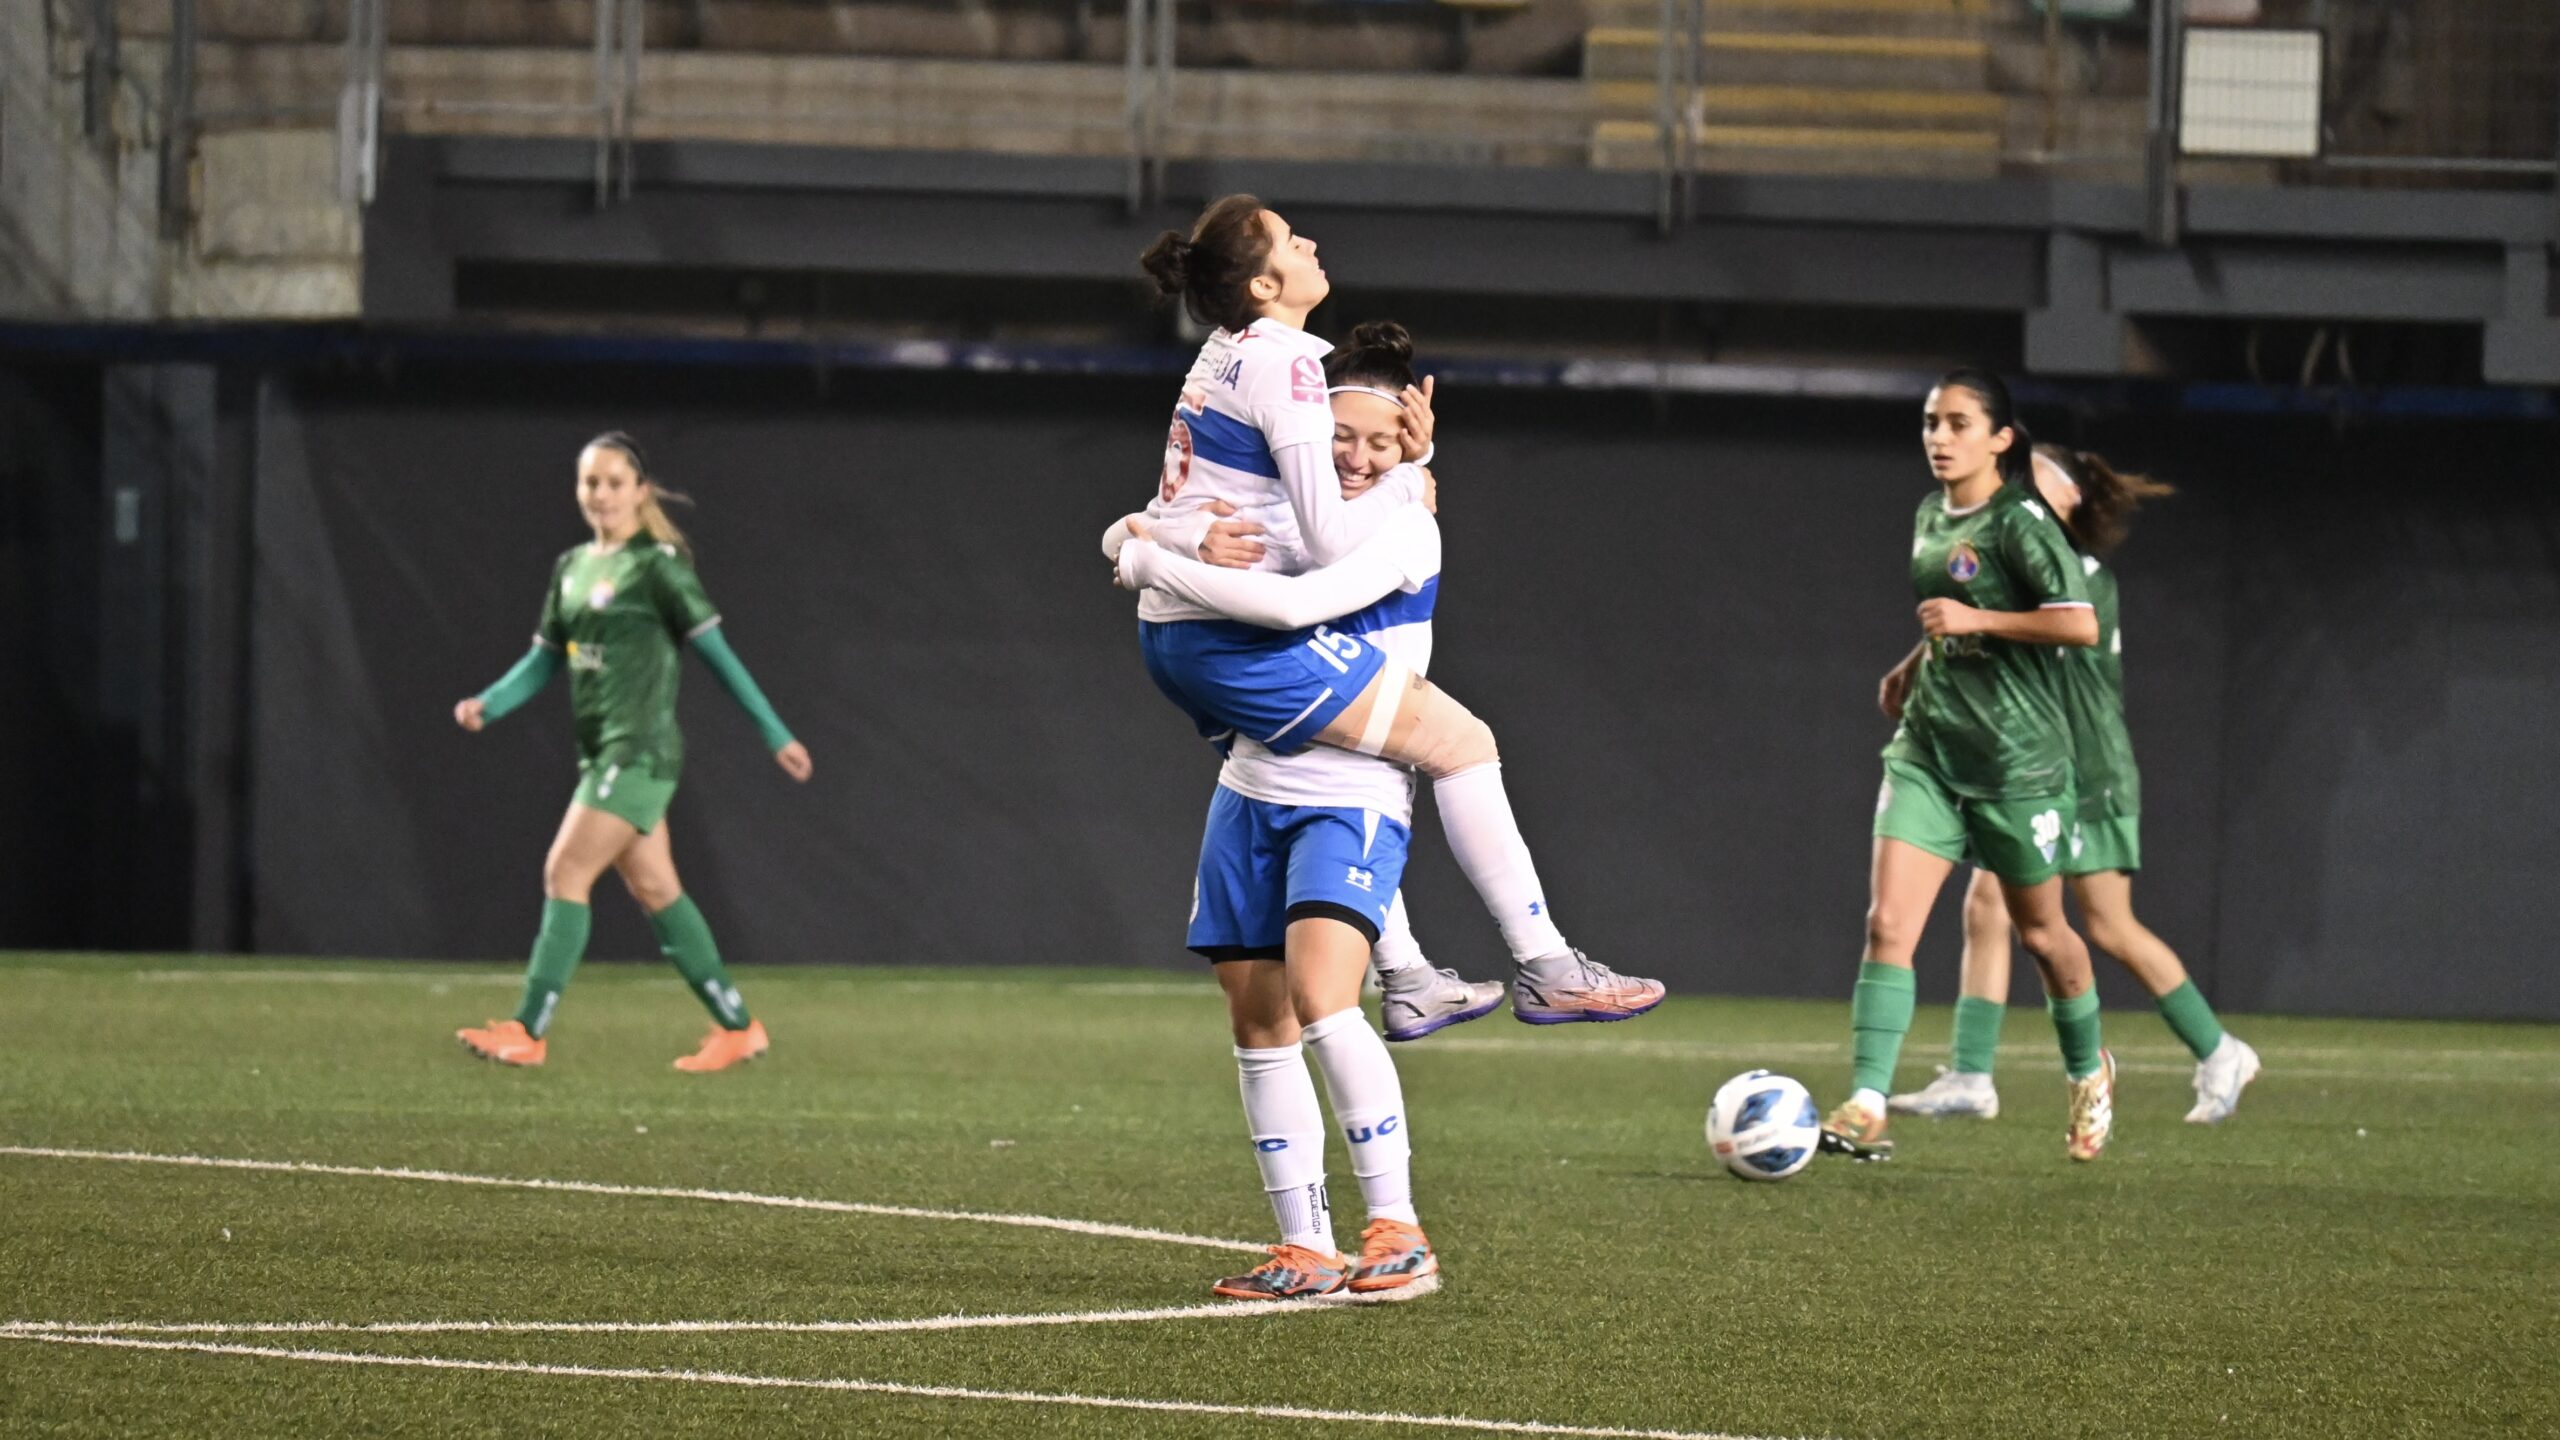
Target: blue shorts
(1278,687)
(1264,865)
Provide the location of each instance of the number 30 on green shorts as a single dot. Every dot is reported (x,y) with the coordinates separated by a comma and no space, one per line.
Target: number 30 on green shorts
(2024,842)
(632,789)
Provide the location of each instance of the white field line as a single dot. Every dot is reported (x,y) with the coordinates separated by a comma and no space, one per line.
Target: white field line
(650,1192)
(1221,1310)
(885,1387)
(329,977)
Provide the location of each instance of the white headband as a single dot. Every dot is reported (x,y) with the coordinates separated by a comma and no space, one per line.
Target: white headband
(1388,396)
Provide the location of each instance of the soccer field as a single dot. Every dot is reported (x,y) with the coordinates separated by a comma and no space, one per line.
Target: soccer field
(2371,1247)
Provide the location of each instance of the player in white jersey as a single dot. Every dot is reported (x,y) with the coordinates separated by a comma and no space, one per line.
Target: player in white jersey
(1384,593)
(1248,438)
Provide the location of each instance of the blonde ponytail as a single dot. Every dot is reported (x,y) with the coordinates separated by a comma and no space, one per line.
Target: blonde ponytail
(653,517)
(653,505)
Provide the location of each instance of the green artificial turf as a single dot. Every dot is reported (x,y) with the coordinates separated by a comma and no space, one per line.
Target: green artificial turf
(2371,1247)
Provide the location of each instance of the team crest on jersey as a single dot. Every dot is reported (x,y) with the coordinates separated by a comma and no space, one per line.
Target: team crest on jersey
(1177,460)
(1963,562)
(1306,380)
(600,595)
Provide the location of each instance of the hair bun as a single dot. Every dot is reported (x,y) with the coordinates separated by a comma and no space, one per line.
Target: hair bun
(1383,340)
(1168,262)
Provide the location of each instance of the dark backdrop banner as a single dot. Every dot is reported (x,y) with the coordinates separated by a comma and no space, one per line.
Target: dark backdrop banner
(2343,650)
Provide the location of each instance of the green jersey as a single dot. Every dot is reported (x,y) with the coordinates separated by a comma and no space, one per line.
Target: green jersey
(621,618)
(1986,715)
(2093,700)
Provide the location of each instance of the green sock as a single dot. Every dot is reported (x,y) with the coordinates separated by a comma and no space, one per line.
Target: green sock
(1879,1016)
(2075,1023)
(557,949)
(685,938)
(1977,1034)
(2193,1020)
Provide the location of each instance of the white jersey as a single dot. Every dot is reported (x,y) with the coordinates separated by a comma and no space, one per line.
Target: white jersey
(1399,624)
(1255,430)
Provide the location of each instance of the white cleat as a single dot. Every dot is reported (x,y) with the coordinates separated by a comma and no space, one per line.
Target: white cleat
(2093,1110)
(2220,1077)
(1418,1001)
(1952,1093)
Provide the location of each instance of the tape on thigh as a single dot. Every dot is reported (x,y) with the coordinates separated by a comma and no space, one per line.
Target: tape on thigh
(1393,681)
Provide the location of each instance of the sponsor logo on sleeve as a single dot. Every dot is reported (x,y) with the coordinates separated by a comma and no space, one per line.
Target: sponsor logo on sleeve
(1306,380)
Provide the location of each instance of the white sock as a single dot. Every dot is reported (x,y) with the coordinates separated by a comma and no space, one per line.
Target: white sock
(1368,1102)
(1475,814)
(1288,1142)
(1396,950)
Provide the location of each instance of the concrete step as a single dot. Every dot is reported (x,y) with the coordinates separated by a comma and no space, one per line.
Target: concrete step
(1009,107)
(1815,105)
(1888,62)
(1966,19)
(1805,150)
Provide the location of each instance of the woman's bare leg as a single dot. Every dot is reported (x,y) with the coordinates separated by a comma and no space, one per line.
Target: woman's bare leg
(1964,1087)
(1407,720)
(1903,881)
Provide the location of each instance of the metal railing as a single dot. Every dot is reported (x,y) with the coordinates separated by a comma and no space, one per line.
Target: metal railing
(2091,97)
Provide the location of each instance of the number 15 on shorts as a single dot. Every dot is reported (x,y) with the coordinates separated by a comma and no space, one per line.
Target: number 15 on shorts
(1337,650)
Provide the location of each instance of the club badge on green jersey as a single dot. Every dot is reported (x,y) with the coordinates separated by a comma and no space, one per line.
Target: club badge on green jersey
(1963,562)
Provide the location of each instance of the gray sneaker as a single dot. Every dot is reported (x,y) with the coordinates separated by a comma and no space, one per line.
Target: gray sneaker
(1952,1093)
(1418,1000)
(2220,1077)
(1567,986)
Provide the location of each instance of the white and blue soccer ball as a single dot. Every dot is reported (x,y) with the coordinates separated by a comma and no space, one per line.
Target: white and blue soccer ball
(1763,1126)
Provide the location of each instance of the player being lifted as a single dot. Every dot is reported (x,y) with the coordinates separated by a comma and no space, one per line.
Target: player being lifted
(2095,504)
(1982,761)
(619,612)
(1251,431)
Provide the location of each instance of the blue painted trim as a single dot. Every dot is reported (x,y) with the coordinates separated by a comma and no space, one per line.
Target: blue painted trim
(356,344)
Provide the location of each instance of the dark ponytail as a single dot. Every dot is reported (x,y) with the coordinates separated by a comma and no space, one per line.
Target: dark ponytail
(1211,269)
(1378,354)
(2108,497)
(2017,464)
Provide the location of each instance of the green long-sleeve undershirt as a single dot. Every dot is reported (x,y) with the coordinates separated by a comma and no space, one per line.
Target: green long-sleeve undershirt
(519,684)
(526,679)
(714,649)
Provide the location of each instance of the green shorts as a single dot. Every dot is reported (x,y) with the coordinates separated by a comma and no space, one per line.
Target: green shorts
(632,789)
(2102,842)
(2024,842)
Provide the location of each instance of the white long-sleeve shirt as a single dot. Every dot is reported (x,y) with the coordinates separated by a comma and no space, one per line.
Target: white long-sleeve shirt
(1255,430)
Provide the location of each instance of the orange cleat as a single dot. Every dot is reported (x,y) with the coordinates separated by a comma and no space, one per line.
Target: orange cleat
(1394,1256)
(724,1048)
(505,1041)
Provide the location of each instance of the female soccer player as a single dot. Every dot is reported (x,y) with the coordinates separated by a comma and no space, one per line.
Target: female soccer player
(2095,504)
(1982,761)
(1375,402)
(1299,870)
(618,611)
(1250,433)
